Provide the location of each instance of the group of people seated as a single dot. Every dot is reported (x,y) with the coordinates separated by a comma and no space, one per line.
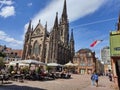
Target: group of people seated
(47,75)
(65,75)
(20,75)
(4,76)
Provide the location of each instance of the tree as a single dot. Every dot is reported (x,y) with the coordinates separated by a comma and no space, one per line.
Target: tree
(2,54)
(2,64)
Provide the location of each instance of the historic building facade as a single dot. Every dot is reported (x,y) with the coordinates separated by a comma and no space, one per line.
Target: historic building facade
(11,54)
(115,54)
(105,57)
(86,61)
(55,46)
(99,67)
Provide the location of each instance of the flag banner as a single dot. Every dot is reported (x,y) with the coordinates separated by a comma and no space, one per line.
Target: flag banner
(95,43)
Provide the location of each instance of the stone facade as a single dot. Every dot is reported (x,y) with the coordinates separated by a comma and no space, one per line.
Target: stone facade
(53,46)
(11,54)
(115,54)
(105,56)
(99,67)
(86,61)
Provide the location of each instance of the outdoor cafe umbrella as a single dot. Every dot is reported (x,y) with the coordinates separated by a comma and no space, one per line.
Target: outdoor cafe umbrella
(53,64)
(14,63)
(31,61)
(69,64)
(75,64)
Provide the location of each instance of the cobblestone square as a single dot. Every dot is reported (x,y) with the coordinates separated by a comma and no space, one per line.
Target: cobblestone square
(77,82)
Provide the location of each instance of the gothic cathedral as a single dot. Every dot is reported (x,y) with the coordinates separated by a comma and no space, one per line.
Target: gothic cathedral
(54,46)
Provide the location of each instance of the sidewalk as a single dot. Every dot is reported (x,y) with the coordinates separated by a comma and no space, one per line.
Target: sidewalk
(77,82)
(103,84)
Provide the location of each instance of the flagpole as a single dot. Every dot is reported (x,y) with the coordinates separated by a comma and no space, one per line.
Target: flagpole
(93,49)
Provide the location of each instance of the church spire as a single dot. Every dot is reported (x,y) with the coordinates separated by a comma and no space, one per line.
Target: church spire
(39,21)
(56,21)
(46,25)
(72,38)
(64,13)
(29,27)
(32,27)
(119,23)
(72,45)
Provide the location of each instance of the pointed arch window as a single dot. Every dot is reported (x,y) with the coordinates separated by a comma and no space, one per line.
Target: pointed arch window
(36,48)
(30,50)
(39,48)
(45,48)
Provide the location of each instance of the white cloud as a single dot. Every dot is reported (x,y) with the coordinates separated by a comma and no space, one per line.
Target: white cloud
(12,42)
(6,2)
(7,11)
(29,4)
(76,9)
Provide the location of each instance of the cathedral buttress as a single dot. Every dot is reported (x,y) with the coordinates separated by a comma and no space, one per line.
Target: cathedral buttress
(55,40)
(26,42)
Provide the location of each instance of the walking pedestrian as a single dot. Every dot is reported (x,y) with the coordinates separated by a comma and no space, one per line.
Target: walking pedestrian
(93,79)
(110,75)
(96,79)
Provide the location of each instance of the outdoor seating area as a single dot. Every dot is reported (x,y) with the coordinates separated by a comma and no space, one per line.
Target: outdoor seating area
(33,76)
(33,70)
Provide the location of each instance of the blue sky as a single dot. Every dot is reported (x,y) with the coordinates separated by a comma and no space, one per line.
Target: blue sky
(90,19)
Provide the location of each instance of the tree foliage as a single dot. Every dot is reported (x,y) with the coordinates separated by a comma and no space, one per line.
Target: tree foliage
(2,64)
(2,54)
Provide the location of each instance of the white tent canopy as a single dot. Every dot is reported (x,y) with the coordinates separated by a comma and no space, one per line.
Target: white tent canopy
(53,64)
(70,64)
(26,62)
(14,63)
(31,61)
(75,64)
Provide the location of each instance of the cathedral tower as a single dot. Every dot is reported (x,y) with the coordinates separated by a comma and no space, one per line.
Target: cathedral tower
(53,46)
(64,25)
(72,44)
(26,46)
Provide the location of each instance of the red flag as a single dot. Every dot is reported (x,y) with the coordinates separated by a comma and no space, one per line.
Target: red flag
(95,43)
